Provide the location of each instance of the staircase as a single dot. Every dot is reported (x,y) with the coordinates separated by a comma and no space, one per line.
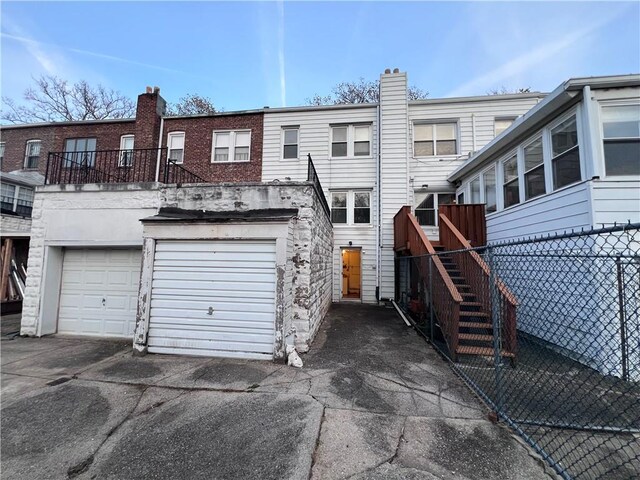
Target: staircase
(460,282)
(475,328)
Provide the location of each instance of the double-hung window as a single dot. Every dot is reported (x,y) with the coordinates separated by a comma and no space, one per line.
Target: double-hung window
(534,185)
(489,181)
(290,142)
(79,152)
(16,200)
(350,141)
(175,143)
(475,190)
(231,146)
(431,139)
(32,154)
(621,139)
(427,206)
(7,196)
(565,155)
(351,207)
(1,153)
(510,187)
(126,151)
(501,124)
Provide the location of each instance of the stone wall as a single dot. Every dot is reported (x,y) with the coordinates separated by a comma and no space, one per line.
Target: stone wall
(15,224)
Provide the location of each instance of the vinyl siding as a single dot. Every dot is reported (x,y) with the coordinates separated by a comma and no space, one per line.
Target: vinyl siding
(394,168)
(615,201)
(354,173)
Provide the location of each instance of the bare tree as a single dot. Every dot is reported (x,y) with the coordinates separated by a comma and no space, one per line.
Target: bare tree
(192,104)
(360,91)
(507,91)
(53,99)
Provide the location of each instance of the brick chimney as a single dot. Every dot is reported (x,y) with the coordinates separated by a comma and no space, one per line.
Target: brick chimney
(151,107)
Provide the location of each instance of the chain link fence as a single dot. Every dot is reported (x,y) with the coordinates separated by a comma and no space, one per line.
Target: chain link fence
(547,332)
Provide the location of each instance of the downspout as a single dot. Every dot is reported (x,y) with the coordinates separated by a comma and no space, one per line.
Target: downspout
(473,131)
(378,203)
(159,150)
(589,136)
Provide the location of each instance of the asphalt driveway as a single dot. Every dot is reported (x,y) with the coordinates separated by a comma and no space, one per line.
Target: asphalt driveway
(373,401)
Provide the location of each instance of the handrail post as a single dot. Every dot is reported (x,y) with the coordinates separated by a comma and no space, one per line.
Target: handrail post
(431,336)
(497,330)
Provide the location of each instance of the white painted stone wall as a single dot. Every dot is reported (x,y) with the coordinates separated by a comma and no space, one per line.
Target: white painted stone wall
(12,224)
(76,216)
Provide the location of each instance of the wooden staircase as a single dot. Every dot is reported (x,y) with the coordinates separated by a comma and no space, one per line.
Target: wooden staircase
(475,328)
(460,281)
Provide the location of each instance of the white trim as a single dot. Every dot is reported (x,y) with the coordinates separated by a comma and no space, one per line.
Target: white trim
(124,150)
(418,192)
(176,134)
(434,123)
(350,207)
(621,102)
(283,129)
(351,129)
(232,146)
(26,153)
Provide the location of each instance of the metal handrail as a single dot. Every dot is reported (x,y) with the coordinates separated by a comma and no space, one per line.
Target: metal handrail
(312,176)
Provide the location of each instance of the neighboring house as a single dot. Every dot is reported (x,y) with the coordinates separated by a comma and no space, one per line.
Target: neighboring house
(374,158)
(571,163)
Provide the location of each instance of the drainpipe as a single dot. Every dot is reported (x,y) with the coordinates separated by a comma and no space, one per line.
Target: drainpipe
(159,149)
(473,131)
(379,205)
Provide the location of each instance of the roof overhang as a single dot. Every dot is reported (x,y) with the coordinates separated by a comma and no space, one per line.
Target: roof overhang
(562,98)
(179,215)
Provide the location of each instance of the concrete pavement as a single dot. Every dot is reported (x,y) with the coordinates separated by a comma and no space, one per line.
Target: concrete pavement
(373,401)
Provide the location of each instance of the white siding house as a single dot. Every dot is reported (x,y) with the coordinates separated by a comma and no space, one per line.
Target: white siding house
(571,163)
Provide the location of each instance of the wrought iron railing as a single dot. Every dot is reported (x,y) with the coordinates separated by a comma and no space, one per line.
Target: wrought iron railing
(312,176)
(116,166)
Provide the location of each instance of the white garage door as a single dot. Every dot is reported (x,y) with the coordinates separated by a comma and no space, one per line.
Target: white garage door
(99,292)
(213,298)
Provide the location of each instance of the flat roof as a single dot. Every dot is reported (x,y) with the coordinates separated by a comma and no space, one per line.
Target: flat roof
(66,123)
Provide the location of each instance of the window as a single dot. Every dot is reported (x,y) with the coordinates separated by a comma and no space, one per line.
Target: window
(475,190)
(426,206)
(434,139)
(339,207)
(534,185)
(350,141)
(233,146)
(510,186)
(621,138)
(1,153)
(361,207)
(79,152)
(565,157)
(489,180)
(126,151)
(351,207)
(175,143)
(501,124)
(32,154)
(290,142)
(16,199)
(460,198)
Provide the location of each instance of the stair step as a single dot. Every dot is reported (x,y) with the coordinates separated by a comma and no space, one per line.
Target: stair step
(474,314)
(477,337)
(484,351)
(471,304)
(467,294)
(488,326)
(463,285)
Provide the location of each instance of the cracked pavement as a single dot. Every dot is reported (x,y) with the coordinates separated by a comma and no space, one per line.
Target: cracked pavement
(373,401)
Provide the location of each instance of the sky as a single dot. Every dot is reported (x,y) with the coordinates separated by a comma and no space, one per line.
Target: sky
(248,55)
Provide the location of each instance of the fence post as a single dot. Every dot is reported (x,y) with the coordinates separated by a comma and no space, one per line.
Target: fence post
(497,329)
(623,323)
(430,298)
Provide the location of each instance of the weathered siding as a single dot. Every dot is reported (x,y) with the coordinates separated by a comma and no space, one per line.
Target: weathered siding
(394,182)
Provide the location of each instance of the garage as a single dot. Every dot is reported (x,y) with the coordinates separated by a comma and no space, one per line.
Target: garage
(99,292)
(213,298)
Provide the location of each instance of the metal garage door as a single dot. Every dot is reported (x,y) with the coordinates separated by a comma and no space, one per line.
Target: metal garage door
(99,292)
(214,298)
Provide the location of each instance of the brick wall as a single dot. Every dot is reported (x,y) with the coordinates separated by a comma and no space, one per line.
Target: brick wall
(53,138)
(198,146)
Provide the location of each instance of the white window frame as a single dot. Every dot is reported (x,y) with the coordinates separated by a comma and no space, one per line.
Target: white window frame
(126,154)
(604,104)
(434,124)
(170,137)
(2,148)
(17,191)
(283,142)
(502,119)
(232,146)
(351,133)
(350,220)
(436,204)
(542,164)
(26,153)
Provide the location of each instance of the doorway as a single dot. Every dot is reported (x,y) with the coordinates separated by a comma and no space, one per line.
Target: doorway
(351,273)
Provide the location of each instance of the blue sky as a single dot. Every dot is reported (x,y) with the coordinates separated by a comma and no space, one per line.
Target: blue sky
(248,55)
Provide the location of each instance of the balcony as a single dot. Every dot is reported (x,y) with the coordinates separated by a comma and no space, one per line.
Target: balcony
(116,166)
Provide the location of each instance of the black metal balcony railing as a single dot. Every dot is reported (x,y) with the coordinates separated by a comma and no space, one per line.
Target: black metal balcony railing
(312,176)
(115,166)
